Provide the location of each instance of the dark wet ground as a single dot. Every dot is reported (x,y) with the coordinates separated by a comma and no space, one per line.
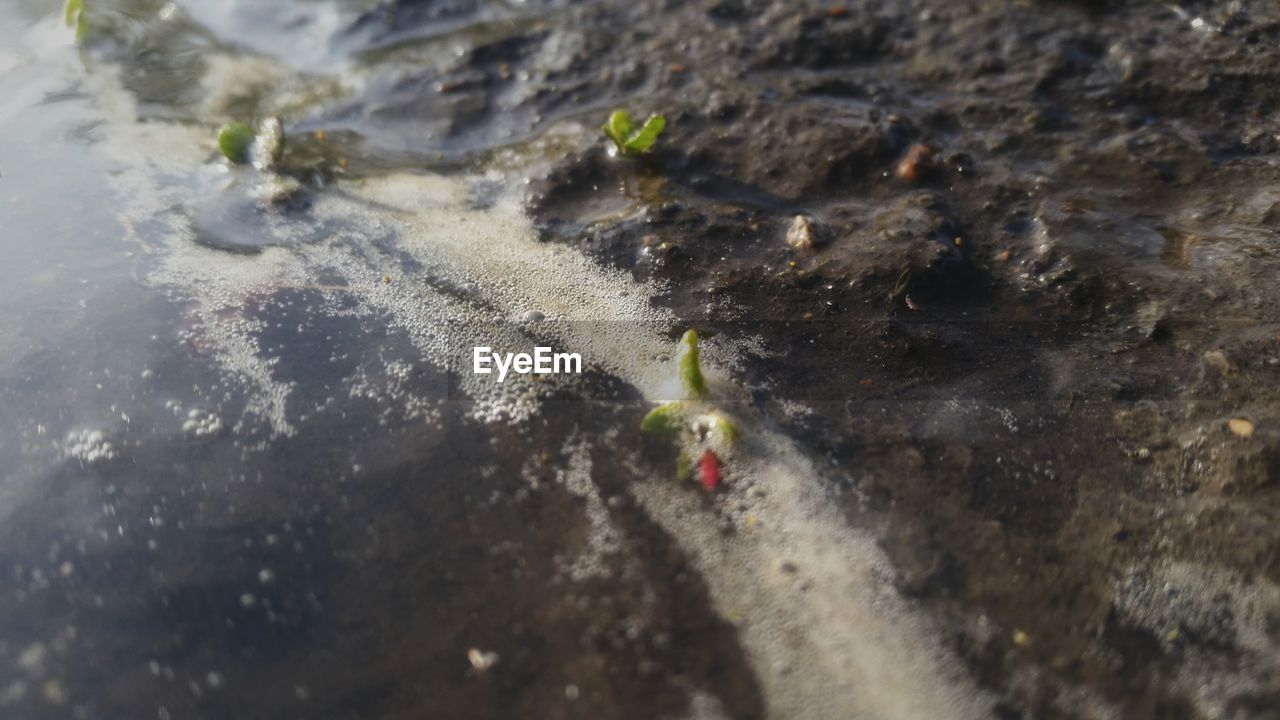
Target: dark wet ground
(1020,370)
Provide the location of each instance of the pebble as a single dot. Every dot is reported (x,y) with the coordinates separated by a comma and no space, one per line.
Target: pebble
(1217,360)
(801,234)
(481,660)
(1240,427)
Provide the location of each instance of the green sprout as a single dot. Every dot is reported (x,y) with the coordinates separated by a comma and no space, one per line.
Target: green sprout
(263,147)
(722,429)
(629,139)
(666,419)
(75,18)
(698,428)
(691,366)
(684,466)
(236,142)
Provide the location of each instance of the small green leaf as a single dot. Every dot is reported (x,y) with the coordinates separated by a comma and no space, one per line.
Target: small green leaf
(691,366)
(723,430)
(236,141)
(74,9)
(619,128)
(684,466)
(629,139)
(665,419)
(642,142)
(75,18)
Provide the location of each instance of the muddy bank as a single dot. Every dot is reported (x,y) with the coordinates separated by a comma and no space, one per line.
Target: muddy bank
(1024,362)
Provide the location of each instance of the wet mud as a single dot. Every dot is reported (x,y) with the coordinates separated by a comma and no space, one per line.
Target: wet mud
(1003,273)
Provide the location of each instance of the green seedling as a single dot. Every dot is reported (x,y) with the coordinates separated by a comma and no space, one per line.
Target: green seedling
(722,430)
(263,147)
(75,18)
(666,419)
(236,142)
(698,428)
(691,366)
(684,467)
(630,139)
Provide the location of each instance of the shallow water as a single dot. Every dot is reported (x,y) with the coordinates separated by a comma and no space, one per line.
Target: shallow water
(248,472)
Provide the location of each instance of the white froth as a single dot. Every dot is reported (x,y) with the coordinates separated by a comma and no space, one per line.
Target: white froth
(1169,598)
(604,539)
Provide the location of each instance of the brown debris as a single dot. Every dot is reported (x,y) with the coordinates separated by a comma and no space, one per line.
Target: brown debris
(918,161)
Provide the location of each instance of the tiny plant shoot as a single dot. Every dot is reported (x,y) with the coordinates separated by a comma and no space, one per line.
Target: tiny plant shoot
(632,140)
(666,419)
(691,366)
(699,429)
(75,18)
(236,142)
(263,147)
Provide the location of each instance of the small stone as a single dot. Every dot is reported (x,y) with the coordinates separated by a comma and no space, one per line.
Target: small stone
(481,660)
(918,161)
(1217,360)
(571,692)
(801,235)
(1020,638)
(1240,427)
(1151,321)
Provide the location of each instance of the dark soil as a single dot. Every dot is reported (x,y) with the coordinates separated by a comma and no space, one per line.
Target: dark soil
(1023,361)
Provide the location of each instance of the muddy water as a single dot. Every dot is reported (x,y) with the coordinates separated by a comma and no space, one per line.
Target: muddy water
(1010,444)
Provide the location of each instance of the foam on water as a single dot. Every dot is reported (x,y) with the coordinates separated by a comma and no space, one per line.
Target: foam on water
(1217,604)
